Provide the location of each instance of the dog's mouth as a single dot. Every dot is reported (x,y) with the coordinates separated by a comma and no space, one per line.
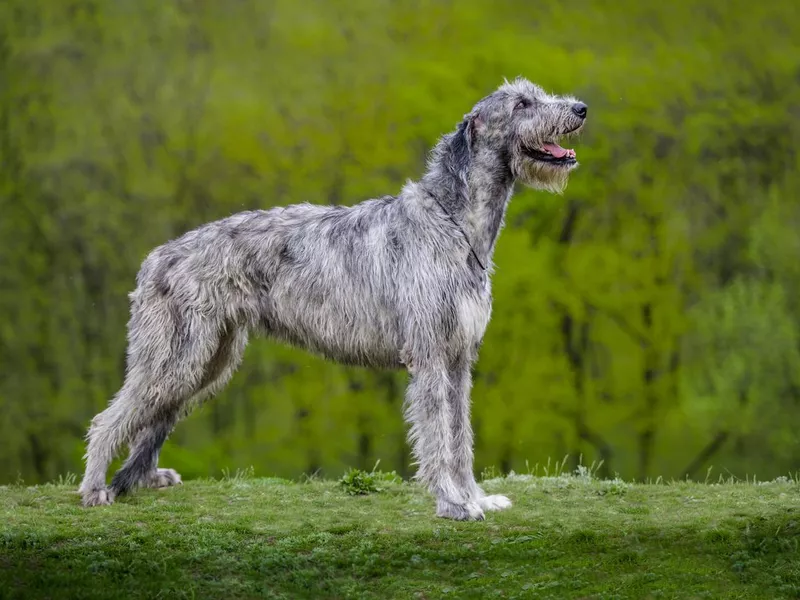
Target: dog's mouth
(551,152)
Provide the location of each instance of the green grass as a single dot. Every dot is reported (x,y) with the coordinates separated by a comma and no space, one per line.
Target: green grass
(569,536)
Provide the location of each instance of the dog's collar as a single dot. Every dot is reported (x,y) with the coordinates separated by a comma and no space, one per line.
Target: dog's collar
(464,233)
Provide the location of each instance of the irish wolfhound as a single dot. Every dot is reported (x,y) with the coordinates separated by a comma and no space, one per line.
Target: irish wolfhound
(398,281)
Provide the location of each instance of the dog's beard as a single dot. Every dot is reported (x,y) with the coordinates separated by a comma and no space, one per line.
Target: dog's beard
(543,176)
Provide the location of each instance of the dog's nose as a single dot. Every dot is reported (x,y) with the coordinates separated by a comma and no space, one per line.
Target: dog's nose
(579,108)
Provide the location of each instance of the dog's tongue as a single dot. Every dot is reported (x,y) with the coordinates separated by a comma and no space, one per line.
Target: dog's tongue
(558,151)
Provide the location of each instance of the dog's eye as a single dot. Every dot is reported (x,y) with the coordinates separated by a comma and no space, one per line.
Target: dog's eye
(522,104)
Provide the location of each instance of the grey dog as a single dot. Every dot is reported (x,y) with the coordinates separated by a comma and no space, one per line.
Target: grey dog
(398,281)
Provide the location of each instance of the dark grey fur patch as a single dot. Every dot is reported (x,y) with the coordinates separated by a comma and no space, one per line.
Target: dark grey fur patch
(143,458)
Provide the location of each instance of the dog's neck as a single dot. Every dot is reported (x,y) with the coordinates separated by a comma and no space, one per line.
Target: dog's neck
(474,192)
(488,193)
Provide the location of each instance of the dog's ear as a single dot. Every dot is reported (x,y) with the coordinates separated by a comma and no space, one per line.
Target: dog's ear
(474,123)
(464,140)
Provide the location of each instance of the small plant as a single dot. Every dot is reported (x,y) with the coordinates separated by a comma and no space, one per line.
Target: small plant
(69,479)
(358,483)
(361,483)
(240,475)
(490,473)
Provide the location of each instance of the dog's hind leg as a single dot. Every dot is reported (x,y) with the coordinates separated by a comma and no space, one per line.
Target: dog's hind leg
(108,431)
(168,352)
(141,466)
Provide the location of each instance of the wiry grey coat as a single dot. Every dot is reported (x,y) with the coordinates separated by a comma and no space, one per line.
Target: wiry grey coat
(392,282)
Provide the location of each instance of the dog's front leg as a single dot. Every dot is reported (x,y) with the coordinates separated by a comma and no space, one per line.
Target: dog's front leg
(462,439)
(429,413)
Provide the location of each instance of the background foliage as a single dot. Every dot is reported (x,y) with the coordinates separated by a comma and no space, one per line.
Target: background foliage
(648,318)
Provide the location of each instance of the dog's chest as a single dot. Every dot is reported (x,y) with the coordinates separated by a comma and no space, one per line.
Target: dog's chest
(474,312)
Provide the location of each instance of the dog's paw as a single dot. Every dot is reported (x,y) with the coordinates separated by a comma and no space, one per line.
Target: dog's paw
(468,511)
(164,478)
(98,497)
(494,502)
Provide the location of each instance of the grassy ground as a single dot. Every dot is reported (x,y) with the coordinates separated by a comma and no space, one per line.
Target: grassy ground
(566,537)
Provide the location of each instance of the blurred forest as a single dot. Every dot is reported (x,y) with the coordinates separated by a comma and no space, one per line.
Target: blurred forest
(649,318)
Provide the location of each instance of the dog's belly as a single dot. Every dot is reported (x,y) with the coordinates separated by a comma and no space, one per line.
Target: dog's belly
(368,348)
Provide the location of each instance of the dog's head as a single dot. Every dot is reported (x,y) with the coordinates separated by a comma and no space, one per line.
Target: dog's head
(523,124)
